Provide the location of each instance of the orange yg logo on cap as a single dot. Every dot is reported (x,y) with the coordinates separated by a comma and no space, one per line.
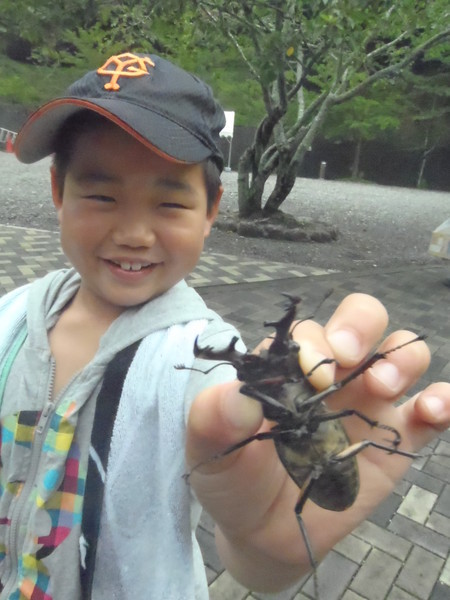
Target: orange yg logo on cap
(124,65)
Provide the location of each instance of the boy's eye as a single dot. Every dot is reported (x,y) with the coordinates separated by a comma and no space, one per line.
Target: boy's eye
(172,205)
(100,198)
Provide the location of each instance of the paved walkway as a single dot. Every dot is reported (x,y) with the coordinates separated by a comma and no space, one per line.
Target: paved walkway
(402,551)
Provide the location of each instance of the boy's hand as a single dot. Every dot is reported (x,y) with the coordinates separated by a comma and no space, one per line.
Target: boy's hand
(249,493)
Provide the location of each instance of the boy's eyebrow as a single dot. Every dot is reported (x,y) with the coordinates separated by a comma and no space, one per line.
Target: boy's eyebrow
(95,177)
(170,183)
(166,182)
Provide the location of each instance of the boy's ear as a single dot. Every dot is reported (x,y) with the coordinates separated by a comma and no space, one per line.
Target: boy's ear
(212,212)
(56,193)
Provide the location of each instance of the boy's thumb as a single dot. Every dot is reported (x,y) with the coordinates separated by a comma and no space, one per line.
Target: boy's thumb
(219,417)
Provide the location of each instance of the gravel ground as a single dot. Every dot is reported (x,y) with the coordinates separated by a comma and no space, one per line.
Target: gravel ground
(378,226)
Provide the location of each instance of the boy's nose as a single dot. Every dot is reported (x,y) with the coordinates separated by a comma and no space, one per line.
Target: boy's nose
(134,231)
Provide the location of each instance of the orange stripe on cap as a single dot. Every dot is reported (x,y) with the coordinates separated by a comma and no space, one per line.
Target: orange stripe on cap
(104,113)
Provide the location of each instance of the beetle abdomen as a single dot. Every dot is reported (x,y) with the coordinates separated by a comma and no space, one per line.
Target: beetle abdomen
(316,455)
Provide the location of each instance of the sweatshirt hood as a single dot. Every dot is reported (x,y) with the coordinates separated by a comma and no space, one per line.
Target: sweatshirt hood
(48,297)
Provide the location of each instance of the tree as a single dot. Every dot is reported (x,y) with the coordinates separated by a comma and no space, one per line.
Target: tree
(38,27)
(428,97)
(72,32)
(365,118)
(308,57)
(411,113)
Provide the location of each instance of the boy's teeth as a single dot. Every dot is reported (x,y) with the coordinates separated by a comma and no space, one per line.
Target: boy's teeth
(131,267)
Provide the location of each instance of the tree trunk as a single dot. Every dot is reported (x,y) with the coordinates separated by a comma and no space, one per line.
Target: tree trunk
(285,182)
(356,159)
(425,152)
(252,174)
(290,160)
(423,162)
(250,186)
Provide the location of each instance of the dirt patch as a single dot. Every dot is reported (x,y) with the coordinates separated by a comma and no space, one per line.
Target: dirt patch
(277,226)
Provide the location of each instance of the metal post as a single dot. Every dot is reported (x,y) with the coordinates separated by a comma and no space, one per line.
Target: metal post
(230,144)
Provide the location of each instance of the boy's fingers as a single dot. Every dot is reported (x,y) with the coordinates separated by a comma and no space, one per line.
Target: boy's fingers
(389,378)
(355,328)
(314,349)
(429,411)
(219,417)
(422,416)
(394,375)
(351,333)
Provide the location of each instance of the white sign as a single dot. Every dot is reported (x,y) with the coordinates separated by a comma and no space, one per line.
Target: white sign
(440,240)
(228,130)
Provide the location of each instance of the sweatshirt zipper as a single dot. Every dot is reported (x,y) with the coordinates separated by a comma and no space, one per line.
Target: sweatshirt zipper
(39,437)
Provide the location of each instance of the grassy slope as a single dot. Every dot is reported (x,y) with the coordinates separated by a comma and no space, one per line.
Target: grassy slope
(31,85)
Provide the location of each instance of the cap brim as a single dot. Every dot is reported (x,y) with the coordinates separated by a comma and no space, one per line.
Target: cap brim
(36,139)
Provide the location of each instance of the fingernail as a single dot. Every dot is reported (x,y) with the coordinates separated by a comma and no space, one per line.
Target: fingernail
(310,359)
(435,406)
(388,374)
(345,344)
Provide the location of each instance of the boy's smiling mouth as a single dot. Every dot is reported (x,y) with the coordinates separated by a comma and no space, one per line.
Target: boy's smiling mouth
(126,266)
(134,266)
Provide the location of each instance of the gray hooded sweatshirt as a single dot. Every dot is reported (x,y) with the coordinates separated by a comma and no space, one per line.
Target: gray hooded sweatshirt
(146,545)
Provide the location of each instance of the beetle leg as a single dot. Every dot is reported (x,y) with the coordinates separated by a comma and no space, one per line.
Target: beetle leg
(272,434)
(369,362)
(306,489)
(325,361)
(304,494)
(264,435)
(375,357)
(265,400)
(355,449)
(349,412)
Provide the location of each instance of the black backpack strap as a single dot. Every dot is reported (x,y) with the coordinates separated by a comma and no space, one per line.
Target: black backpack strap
(105,415)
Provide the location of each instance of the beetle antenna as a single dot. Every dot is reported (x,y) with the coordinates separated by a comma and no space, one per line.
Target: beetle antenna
(318,307)
(184,368)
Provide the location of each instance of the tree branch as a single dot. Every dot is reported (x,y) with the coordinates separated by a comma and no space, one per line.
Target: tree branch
(394,68)
(386,46)
(235,42)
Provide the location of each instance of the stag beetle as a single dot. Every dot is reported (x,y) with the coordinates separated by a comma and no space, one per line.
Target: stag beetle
(309,438)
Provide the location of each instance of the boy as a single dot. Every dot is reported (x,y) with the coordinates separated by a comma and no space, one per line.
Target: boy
(93,414)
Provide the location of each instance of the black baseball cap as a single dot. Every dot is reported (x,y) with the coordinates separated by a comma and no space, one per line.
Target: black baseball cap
(167,109)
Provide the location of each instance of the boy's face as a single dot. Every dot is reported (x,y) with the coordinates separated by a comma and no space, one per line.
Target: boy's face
(132,223)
